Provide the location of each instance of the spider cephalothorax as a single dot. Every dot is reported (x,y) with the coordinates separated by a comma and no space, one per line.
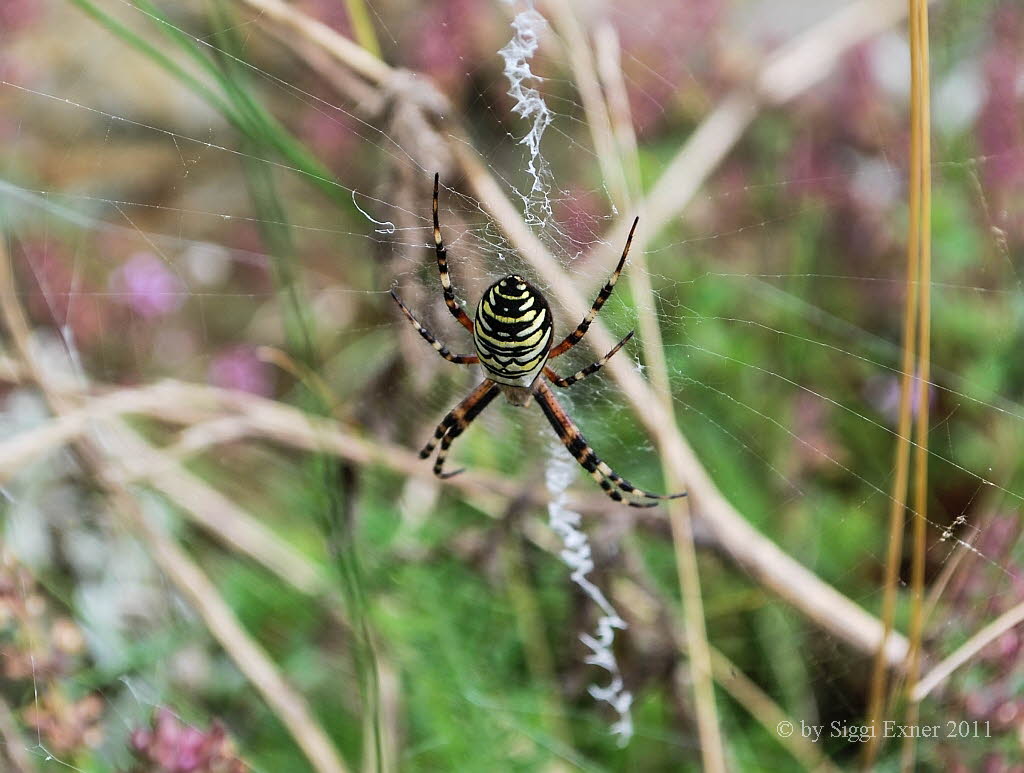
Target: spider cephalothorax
(512,331)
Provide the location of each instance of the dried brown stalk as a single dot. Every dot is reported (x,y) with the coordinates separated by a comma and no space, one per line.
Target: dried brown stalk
(613,164)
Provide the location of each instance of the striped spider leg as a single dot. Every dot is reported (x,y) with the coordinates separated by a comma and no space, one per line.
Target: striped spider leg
(581,330)
(613,484)
(610,481)
(449,297)
(442,267)
(455,423)
(440,348)
(591,369)
(462,415)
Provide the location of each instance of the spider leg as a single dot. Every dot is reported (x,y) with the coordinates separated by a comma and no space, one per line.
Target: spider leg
(455,423)
(458,359)
(613,484)
(581,330)
(587,371)
(442,267)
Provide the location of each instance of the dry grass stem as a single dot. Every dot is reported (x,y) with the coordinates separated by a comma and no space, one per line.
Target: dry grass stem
(215,416)
(139,462)
(26,447)
(612,166)
(913,387)
(728,675)
(711,744)
(921,148)
(301,26)
(767,712)
(532,631)
(584,69)
(898,495)
(966,651)
(608,54)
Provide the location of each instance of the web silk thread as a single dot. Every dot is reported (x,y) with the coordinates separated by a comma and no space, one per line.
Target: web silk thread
(528,24)
(576,554)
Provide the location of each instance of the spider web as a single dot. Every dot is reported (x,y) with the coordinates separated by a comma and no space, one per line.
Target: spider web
(778,291)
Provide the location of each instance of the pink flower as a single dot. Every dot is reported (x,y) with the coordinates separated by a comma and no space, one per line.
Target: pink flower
(1000,135)
(15,14)
(330,12)
(653,35)
(149,286)
(170,746)
(1000,124)
(449,37)
(241,369)
(329,132)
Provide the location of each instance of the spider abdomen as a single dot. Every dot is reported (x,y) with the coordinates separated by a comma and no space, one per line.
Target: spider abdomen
(512,331)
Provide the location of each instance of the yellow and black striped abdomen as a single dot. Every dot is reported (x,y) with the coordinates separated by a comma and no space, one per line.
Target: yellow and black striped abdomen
(512,331)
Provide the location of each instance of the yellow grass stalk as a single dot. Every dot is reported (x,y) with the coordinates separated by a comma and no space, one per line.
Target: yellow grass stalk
(916,346)
(921,149)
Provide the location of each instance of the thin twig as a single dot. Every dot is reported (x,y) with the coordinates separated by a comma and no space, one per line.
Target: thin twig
(966,651)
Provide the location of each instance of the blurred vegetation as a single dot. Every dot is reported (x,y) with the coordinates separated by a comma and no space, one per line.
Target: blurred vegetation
(193,201)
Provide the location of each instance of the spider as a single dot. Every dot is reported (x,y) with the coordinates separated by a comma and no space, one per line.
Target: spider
(512,333)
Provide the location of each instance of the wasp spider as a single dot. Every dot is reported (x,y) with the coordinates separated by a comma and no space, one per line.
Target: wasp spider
(512,332)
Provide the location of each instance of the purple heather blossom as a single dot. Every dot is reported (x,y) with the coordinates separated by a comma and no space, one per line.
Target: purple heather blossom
(884,394)
(330,12)
(449,38)
(1000,125)
(15,14)
(653,34)
(150,288)
(329,132)
(170,746)
(239,368)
